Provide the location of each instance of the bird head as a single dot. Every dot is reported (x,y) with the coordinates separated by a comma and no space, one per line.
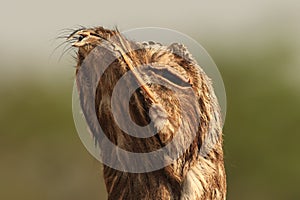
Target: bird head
(87,39)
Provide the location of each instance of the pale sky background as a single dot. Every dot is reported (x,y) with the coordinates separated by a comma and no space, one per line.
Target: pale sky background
(29,28)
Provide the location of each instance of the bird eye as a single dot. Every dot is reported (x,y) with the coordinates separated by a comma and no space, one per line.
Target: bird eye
(80,38)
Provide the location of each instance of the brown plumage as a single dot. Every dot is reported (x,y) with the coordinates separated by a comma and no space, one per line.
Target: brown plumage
(197,174)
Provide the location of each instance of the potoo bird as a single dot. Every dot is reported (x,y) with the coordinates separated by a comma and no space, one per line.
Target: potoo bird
(173,96)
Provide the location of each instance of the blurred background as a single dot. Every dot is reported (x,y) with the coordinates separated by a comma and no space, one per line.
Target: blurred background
(255,44)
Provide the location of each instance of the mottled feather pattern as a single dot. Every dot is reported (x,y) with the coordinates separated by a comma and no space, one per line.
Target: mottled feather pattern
(197,174)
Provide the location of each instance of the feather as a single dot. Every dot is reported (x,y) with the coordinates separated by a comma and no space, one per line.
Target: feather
(196,174)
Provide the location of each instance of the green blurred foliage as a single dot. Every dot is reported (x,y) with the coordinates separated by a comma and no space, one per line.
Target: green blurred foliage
(41,155)
(43,158)
(262,127)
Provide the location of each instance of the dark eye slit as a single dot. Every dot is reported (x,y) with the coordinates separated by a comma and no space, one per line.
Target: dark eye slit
(80,38)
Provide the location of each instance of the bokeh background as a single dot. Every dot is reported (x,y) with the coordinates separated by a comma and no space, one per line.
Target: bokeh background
(255,44)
